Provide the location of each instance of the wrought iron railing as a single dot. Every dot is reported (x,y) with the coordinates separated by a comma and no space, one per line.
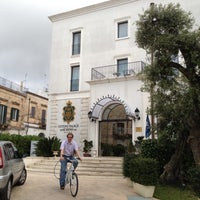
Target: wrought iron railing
(113,71)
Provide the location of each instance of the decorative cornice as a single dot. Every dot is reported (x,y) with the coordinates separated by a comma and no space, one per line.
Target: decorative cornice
(15,103)
(3,99)
(89,9)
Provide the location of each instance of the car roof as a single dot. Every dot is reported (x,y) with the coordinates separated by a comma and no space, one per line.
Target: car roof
(4,142)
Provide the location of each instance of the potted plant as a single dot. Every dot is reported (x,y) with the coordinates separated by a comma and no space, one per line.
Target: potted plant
(87,148)
(55,147)
(144,174)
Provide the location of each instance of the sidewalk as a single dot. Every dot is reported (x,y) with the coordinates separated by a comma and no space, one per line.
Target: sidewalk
(46,186)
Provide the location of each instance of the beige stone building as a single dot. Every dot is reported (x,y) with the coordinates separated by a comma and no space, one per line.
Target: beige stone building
(21,112)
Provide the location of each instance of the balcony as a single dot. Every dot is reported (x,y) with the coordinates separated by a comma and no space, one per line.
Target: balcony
(113,71)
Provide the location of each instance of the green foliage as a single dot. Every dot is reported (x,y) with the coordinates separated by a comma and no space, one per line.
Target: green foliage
(144,171)
(160,25)
(166,32)
(55,144)
(130,148)
(150,149)
(163,31)
(87,146)
(167,192)
(113,150)
(22,143)
(118,150)
(44,146)
(187,160)
(194,179)
(107,149)
(128,158)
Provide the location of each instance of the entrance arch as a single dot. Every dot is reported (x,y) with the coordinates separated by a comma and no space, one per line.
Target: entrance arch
(115,124)
(115,130)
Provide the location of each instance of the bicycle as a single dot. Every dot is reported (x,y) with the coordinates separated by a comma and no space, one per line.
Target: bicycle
(71,177)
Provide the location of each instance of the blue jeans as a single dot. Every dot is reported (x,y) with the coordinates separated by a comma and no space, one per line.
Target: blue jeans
(64,168)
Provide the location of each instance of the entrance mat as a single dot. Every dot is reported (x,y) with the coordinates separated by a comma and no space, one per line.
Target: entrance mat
(138,198)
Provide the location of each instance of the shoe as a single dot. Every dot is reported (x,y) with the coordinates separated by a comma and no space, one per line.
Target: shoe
(62,187)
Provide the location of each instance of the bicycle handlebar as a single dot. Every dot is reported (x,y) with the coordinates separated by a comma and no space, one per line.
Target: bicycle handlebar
(71,161)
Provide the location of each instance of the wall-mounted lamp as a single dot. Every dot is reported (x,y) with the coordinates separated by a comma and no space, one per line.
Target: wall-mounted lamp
(137,114)
(92,119)
(89,114)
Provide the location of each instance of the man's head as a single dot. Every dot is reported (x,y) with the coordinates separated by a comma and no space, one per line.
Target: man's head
(70,136)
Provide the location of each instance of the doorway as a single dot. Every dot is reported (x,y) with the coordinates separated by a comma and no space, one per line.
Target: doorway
(115,131)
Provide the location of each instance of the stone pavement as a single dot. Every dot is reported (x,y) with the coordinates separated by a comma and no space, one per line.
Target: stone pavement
(46,186)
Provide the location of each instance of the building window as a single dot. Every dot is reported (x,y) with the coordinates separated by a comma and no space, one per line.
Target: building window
(43,119)
(43,116)
(120,128)
(122,29)
(32,112)
(76,45)
(122,66)
(14,115)
(75,78)
(3,113)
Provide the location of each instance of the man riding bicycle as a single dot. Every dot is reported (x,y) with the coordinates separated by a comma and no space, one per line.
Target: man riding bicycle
(68,149)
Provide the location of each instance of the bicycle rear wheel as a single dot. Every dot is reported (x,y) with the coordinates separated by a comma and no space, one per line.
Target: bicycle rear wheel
(74,184)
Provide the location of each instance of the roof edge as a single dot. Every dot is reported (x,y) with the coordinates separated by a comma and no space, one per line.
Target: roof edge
(89,9)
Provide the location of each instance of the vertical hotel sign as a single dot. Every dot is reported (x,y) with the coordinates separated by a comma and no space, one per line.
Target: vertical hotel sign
(68,116)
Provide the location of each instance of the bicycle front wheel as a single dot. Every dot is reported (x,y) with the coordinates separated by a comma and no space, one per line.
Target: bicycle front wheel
(74,184)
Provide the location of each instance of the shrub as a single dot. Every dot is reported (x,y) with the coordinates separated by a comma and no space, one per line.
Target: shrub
(130,148)
(87,146)
(55,144)
(107,149)
(118,150)
(144,171)
(22,143)
(128,157)
(150,149)
(194,179)
(44,146)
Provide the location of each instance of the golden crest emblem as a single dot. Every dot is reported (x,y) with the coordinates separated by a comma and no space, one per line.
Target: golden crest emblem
(68,112)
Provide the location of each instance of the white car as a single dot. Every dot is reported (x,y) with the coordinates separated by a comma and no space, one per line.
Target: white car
(12,169)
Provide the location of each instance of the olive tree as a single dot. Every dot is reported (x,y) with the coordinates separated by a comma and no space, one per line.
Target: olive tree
(167,33)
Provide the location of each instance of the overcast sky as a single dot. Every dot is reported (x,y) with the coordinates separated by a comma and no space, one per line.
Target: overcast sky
(25,37)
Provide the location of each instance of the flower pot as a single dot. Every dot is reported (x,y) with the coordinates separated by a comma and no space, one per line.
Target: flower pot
(129,182)
(143,190)
(86,154)
(55,153)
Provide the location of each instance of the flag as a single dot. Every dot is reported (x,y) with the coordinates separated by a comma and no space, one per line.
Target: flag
(148,127)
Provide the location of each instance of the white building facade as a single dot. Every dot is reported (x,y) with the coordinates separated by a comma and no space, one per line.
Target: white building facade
(94,87)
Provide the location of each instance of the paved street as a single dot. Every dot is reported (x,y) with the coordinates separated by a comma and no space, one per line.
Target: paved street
(45,186)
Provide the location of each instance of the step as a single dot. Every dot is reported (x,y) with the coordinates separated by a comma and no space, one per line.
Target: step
(90,166)
(80,173)
(81,165)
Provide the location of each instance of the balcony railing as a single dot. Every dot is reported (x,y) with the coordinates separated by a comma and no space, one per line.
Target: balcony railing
(113,71)
(11,85)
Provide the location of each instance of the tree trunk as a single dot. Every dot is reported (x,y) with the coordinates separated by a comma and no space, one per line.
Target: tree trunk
(170,169)
(194,136)
(194,142)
